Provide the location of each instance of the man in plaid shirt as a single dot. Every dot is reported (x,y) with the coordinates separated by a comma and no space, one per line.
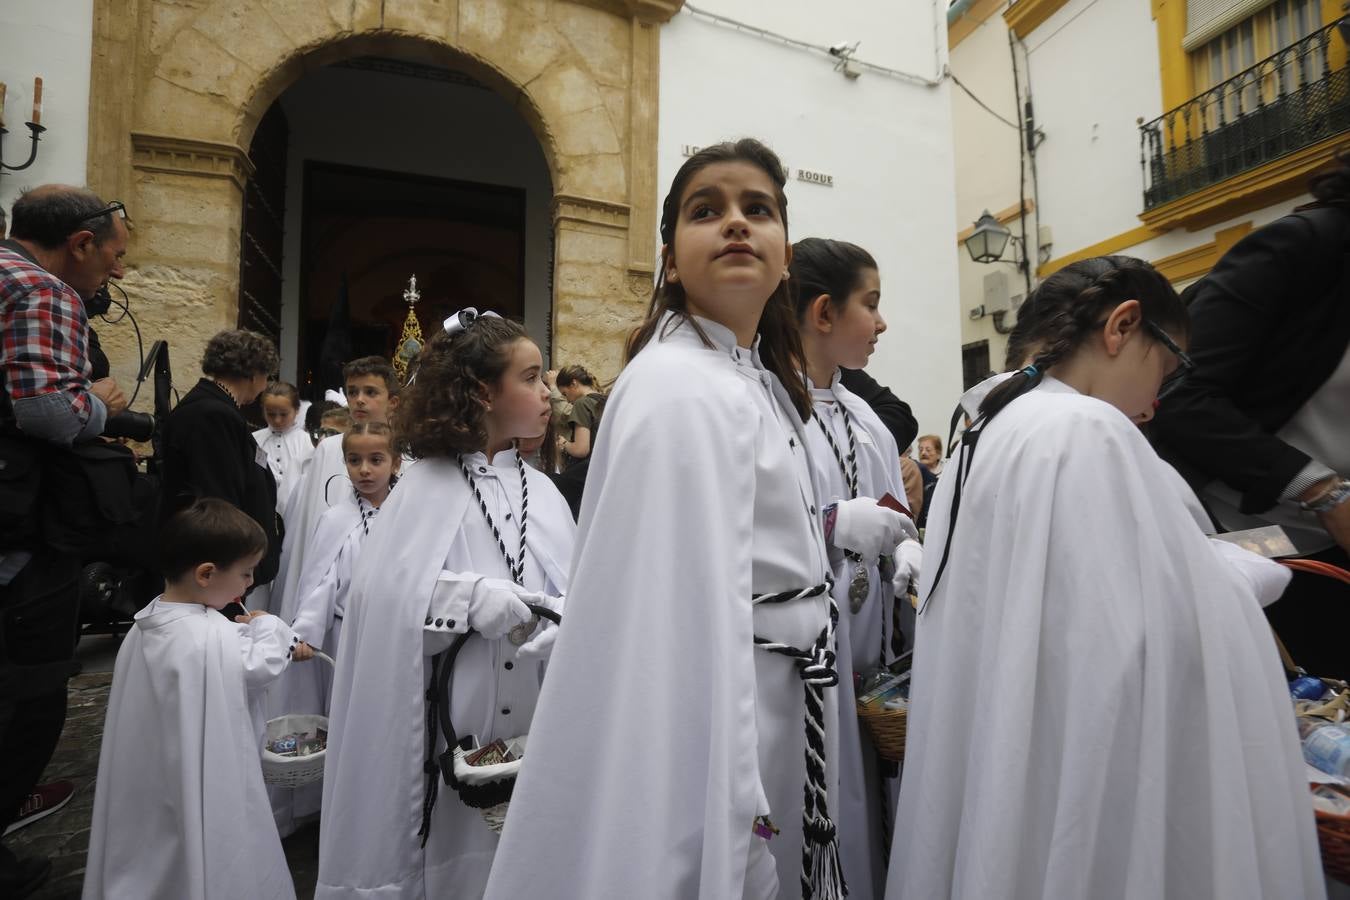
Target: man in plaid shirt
(65,243)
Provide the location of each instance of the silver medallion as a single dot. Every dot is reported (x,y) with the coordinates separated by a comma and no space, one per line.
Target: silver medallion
(858,587)
(521,633)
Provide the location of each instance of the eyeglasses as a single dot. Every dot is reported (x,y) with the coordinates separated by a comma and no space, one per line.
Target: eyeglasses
(1185,365)
(116,208)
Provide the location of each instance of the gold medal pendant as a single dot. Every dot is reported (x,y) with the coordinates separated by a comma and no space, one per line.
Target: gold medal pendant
(521,633)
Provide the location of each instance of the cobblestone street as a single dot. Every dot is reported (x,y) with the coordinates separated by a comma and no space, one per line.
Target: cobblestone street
(64,835)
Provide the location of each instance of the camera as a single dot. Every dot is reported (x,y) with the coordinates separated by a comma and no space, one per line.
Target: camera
(135,426)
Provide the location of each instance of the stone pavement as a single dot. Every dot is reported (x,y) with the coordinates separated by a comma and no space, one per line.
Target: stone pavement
(64,835)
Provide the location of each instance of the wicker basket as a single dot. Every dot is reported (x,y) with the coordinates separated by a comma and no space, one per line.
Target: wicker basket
(887,729)
(1333,833)
(294,771)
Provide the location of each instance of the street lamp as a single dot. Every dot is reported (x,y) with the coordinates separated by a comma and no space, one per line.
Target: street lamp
(989,239)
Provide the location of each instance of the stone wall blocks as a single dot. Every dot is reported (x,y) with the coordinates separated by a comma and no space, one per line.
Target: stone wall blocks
(598,175)
(599,38)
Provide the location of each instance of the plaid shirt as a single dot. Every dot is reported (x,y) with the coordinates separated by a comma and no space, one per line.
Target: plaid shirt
(43,335)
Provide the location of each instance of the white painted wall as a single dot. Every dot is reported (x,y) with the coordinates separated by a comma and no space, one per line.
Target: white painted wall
(987,162)
(51,39)
(421,127)
(887,142)
(1094,72)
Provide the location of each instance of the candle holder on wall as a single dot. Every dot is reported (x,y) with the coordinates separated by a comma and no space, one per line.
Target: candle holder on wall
(35,136)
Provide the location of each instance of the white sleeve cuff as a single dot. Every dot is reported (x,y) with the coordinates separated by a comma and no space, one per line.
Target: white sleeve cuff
(1309,475)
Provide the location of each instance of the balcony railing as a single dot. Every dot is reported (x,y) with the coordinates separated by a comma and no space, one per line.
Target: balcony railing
(1288,101)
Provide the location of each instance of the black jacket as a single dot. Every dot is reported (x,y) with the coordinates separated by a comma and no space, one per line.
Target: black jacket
(894,413)
(210,452)
(1268,327)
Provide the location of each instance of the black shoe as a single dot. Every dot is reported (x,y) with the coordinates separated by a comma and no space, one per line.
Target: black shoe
(24,876)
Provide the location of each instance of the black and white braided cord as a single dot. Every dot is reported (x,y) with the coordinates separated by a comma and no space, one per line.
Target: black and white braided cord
(849,466)
(514,564)
(822,872)
(367,511)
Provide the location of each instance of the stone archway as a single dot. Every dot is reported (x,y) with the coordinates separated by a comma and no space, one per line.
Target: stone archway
(179,87)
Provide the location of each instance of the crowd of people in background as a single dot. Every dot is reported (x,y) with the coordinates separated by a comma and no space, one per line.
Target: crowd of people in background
(575,639)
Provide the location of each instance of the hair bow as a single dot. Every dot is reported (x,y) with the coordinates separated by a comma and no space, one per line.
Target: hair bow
(461,320)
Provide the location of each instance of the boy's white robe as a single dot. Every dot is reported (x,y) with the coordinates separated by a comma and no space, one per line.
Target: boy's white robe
(179,810)
(1097,705)
(427,548)
(324,482)
(287,453)
(314,612)
(661,731)
(857,809)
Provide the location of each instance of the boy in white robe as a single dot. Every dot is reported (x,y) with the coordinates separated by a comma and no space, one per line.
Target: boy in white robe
(1097,707)
(468,538)
(179,808)
(372,389)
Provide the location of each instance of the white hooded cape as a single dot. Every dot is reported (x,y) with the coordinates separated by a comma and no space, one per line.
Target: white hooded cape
(310,609)
(374,783)
(179,811)
(1097,705)
(858,811)
(661,731)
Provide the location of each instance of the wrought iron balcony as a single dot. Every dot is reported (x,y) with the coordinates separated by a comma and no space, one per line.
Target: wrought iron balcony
(1288,101)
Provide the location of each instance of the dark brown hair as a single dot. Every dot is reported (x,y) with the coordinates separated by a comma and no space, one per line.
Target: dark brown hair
(284,389)
(239,353)
(1067,307)
(377,428)
(209,531)
(372,365)
(569,374)
(821,266)
(780,345)
(442,413)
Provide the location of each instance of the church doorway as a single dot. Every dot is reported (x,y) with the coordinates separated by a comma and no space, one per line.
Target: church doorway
(378,170)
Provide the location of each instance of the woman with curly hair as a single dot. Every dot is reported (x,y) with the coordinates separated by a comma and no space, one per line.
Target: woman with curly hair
(469,537)
(209,449)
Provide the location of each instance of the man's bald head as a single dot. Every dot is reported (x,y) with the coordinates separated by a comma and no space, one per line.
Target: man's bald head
(49,214)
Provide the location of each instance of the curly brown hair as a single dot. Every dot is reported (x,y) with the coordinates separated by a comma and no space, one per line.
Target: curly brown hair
(442,412)
(239,353)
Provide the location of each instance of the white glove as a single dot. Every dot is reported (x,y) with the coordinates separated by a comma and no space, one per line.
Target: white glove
(1267,578)
(495,608)
(908,562)
(540,644)
(869,530)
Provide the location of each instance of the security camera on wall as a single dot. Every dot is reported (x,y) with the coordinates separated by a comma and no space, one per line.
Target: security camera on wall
(843,49)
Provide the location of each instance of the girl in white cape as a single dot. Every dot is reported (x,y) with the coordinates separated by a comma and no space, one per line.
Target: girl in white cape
(854,461)
(316,609)
(284,441)
(1098,709)
(668,756)
(180,812)
(469,537)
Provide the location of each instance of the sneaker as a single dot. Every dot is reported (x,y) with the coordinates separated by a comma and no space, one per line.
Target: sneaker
(45,800)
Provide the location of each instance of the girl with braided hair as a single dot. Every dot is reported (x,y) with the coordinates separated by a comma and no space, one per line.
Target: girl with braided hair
(469,537)
(1125,728)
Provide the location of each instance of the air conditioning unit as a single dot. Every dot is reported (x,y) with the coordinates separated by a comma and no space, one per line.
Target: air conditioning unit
(996,294)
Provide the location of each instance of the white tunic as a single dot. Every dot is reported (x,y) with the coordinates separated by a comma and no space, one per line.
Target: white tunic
(426,551)
(662,732)
(1097,708)
(180,812)
(858,815)
(323,483)
(287,452)
(315,611)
